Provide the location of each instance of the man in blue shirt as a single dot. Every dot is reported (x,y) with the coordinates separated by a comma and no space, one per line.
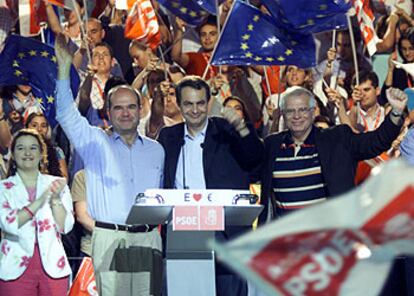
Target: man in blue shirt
(119,164)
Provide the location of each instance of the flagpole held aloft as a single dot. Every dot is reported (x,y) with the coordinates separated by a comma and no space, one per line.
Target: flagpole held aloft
(83,33)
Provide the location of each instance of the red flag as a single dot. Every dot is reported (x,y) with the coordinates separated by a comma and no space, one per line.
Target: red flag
(366,18)
(84,283)
(337,247)
(31,14)
(142,24)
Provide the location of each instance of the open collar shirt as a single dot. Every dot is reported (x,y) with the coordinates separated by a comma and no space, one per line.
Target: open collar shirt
(115,172)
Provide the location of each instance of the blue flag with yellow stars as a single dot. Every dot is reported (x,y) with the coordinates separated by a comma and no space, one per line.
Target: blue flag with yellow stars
(250,37)
(309,16)
(209,5)
(30,62)
(187,10)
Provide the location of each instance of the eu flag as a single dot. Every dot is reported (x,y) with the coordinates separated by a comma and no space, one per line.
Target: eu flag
(30,62)
(251,37)
(187,10)
(209,5)
(308,16)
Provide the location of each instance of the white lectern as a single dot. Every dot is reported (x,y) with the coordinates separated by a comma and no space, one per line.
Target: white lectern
(190,262)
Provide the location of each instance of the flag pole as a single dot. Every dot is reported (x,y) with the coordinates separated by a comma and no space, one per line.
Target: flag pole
(354,55)
(334,38)
(163,62)
(218,23)
(218,41)
(83,33)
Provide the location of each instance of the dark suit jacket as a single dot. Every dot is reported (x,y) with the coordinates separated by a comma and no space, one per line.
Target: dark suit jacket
(227,158)
(339,151)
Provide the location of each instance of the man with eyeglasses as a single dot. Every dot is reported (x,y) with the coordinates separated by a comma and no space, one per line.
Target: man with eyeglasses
(305,165)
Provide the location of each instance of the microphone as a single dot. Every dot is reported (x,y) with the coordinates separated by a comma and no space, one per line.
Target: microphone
(183,156)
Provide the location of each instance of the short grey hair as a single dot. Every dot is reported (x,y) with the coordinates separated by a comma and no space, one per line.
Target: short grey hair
(297,91)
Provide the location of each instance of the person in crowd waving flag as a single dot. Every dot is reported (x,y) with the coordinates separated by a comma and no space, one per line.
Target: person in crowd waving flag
(366,18)
(30,62)
(142,24)
(255,39)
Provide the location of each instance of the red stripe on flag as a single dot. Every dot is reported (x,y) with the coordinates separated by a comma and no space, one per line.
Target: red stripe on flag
(142,24)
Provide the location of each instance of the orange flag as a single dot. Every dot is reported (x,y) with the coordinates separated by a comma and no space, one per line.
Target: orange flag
(142,24)
(84,283)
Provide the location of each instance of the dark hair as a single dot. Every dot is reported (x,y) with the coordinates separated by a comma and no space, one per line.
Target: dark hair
(210,20)
(32,116)
(122,86)
(43,165)
(112,82)
(244,111)
(406,35)
(104,44)
(195,82)
(53,166)
(365,76)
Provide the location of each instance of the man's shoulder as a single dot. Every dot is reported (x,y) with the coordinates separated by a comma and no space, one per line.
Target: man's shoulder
(172,129)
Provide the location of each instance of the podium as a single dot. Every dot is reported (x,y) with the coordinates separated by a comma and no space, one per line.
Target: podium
(189,260)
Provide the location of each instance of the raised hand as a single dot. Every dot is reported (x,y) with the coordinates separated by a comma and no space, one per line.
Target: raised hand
(235,120)
(63,56)
(397,99)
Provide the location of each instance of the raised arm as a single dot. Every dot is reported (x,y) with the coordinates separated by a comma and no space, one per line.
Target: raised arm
(177,50)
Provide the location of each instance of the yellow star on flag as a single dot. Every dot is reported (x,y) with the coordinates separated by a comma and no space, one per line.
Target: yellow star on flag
(183,9)
(16,64)
(257,58)
(321,15)
(250,27)
(246,37)
(44,54)
(244,46)
(293,42)
(18,73)
(256,18)
(270,59)
(50,99)
(39,100)
(175,4)
(323,7)
(248,55)
(192,13)
(53,59)
(21,55)
(311,22)
(288,52)
(280,58)
(32,53)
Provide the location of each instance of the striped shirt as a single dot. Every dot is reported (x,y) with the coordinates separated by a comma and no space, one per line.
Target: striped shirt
(297,177)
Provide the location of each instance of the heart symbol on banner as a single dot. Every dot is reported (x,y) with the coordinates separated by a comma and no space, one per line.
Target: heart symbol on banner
(197,196)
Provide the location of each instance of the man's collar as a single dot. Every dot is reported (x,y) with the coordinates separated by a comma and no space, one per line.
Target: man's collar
(113,134)
(202,132)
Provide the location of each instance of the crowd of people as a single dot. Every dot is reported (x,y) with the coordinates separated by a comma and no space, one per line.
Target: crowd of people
(166,118)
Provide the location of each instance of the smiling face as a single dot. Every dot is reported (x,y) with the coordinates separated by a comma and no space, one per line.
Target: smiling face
(40,124)
(124,111)
(298,116)
(27,153)
(194,105)
(208,37)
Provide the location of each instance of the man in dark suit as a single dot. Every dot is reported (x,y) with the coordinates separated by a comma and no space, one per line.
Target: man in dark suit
(305,165)
(209,153)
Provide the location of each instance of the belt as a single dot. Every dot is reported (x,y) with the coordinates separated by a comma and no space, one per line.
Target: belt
(127,228)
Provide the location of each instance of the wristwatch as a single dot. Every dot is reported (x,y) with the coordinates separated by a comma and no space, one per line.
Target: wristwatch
(396,113)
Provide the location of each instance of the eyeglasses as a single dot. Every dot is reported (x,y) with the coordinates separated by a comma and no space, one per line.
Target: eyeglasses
(300,111)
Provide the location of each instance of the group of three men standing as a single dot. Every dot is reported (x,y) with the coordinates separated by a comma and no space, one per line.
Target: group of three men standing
(220,153)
